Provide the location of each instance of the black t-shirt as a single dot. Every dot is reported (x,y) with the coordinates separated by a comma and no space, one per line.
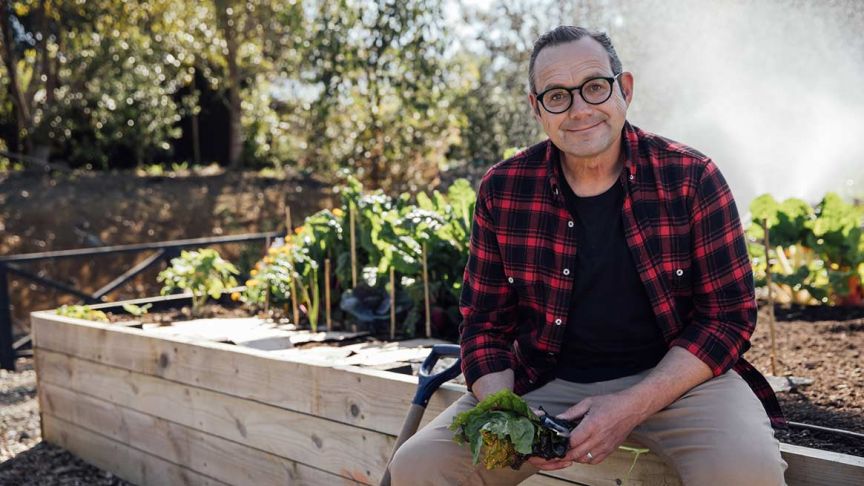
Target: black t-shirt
(611,328)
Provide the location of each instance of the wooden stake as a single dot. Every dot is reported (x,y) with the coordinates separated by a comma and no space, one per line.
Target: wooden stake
(426,294)
(392,303)
(353,246)
(770,301)
(295,311)
(327,293)
(289,228)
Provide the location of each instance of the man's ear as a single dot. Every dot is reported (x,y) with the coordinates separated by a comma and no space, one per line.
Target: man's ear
(535,106)
(627,83)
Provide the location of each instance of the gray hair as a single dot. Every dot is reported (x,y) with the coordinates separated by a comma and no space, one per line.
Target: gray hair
(568,33)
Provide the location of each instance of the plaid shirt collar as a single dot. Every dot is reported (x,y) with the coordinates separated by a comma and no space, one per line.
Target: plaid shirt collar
(553,166)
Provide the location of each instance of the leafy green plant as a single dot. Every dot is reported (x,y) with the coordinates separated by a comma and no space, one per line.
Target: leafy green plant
(816,254)
(390,233)
(501,428)
(137,310)
(82,312)
(504,431)
(202,273)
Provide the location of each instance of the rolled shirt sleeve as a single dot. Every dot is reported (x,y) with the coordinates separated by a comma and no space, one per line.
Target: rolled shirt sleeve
(724,314)
(488,302)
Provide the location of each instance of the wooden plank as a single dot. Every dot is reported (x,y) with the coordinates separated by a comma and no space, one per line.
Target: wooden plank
(230,462)
(811,467)
(366,398)
(376,400)
(650,470)
(331,446)
(300,437)
(126,462)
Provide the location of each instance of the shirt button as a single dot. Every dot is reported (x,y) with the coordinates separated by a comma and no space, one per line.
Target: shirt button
(557,322)
(632,177)
(679,272)
(510,279)
(566,271)
(551,354)
(555,191)
(569,224)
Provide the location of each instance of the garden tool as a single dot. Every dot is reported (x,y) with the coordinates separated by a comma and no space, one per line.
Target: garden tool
(426,386)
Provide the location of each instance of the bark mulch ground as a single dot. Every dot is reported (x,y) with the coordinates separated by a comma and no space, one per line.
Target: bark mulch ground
(822,344)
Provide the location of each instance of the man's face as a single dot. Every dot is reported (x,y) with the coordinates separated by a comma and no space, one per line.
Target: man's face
(585,130)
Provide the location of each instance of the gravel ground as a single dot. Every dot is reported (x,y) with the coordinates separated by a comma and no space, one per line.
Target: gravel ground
(24,458)
(808,345)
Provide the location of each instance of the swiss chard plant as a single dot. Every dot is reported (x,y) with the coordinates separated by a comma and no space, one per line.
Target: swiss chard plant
(203,273)
(816,255)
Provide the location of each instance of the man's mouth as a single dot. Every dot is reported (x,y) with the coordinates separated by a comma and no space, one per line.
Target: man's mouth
(582,129)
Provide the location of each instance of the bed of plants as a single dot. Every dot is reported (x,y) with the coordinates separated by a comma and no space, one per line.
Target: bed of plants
(809,254)
(348,263)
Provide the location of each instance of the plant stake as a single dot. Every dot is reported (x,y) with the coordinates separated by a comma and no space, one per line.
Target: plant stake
(353,246)
(294,310)
(426,294)
(392,303)
(770,302)
(327,293)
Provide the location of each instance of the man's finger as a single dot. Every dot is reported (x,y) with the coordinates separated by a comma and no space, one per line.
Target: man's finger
(576,411)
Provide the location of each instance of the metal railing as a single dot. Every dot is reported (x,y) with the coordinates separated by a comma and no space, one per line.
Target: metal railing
(164,250)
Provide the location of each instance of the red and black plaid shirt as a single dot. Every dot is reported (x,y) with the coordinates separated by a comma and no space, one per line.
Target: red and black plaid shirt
(681,225)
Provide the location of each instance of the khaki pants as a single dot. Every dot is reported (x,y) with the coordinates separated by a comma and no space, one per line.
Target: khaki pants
(716,434)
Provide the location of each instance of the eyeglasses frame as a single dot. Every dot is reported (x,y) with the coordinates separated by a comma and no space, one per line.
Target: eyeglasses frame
(609,79)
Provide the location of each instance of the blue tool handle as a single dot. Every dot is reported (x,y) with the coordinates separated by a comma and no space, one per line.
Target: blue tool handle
(428,382)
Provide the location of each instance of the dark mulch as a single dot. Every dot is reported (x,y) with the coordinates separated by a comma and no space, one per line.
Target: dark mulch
(824,344)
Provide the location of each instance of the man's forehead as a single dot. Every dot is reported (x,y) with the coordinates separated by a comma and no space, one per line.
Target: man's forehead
(570,63)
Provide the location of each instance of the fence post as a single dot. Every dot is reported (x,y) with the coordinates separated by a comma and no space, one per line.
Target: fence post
(7,352)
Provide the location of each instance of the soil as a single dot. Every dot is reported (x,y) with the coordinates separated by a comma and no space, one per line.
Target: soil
(824,344)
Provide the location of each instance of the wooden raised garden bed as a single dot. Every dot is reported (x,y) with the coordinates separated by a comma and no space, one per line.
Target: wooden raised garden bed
(160,408)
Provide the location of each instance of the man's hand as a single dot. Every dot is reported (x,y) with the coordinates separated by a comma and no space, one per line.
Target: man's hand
(607,420)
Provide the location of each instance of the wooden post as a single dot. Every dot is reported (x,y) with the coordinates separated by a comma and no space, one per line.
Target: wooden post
(426,294)
(770,301)
(289,227)
(327,293)
(351,225)
(392,303)
(295,311)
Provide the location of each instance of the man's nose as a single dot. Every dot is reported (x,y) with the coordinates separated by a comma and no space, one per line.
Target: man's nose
(579,108)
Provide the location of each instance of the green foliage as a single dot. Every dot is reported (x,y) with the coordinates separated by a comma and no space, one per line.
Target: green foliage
(390,233)
(816,254)
(500,427)
(203,273)
(137,310)
(82,312)
(317,85)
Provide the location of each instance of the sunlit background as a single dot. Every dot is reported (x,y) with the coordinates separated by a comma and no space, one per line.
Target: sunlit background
(400,92)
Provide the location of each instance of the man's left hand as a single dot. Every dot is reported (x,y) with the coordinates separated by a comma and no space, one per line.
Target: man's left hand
(607,420)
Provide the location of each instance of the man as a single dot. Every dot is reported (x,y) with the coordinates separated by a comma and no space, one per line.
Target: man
(608,279)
